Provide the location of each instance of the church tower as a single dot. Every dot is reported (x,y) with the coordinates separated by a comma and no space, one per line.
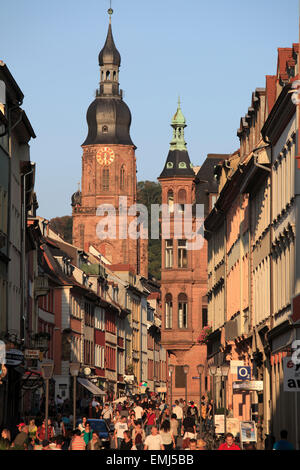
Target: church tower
(108,169)
(183,271)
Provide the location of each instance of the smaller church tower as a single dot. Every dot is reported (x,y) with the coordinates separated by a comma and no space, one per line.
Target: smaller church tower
(183,275)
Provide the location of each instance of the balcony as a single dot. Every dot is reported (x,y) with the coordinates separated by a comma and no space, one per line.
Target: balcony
(41,286)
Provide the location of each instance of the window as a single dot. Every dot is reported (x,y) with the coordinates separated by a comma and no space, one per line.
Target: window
(169,253)
(182,254)
(168,312)
(105,179)
(181,199)
(204,316)
(182,311)
(171,201)
(108,75)
(104,129)
(122,177)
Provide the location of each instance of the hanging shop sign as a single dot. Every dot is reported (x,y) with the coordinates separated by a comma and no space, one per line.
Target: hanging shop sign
(248,431)
(291,375)
(32,354)
(249,385)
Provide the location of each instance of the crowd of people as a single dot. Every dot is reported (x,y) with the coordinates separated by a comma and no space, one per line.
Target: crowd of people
(142,423)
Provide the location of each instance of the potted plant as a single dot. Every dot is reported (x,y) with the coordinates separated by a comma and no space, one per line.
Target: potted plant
(204,333)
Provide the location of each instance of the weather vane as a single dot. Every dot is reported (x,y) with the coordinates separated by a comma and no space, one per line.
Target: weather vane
(110,11)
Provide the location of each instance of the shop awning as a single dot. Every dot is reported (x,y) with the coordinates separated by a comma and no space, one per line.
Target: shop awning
(91,387)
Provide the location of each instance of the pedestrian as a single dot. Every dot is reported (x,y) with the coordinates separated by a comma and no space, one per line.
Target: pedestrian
(87,434)
(126,443)
(59,426)
(131,420)
(201,444)
(94,443)
(107,414)
(97,412)
(21,440)
(77,441)
(178,411)
(138,436)
(192,445)
(174,427)
(5,439)
(167,436)
(59,442)
(209,417)
(82,424)
(150,421)
(139,411)
(283,443)
(41,432)
(188,425)
(269,441)
(154,440)
(229,443)
(120,427)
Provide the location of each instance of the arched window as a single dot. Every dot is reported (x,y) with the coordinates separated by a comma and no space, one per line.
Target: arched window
(104,129)
(170,200)
(105,179)
(168,311)
(182,311)
(122,177)
(115,76)
(182,259)
(181,199)
(108,75)
(102,76)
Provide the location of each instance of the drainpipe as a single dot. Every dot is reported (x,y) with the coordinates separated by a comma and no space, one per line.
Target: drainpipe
(23,263)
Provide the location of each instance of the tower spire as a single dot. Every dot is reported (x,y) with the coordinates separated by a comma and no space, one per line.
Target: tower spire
(178,124)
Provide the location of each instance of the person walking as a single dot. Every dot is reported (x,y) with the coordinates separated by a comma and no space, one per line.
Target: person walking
(154,440)
(77,441)
(87,434)
(174,427)
(150,421)
(283,443)
(94,443)
(178,411)
(126,443)
(120,427)
(167,436)
(138,436)
(229,443)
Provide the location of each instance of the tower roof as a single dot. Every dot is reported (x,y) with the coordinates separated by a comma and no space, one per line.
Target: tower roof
(109,54)
(108,116)
(178,162)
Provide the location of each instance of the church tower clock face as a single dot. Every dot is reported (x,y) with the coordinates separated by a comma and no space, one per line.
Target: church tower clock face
(105,156)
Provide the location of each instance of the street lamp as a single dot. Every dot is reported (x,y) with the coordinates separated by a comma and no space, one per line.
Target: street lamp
(224,372)
(74,371)
(47,372)
(171,371)
(200,370)
(186,369)
(213,371)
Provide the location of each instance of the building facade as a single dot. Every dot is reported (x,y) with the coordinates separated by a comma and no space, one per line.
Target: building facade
(184,270)
(252,246)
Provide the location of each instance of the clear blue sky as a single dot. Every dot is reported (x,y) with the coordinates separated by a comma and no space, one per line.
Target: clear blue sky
(213,53)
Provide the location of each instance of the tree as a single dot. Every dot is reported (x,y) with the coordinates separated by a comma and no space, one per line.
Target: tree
(148,193)
(64,226)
